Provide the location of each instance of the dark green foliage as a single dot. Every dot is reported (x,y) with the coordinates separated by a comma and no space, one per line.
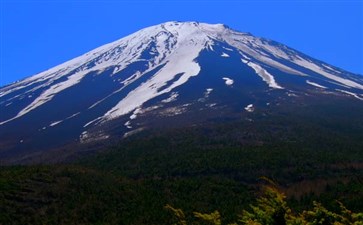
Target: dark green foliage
(79,195)
(272,209)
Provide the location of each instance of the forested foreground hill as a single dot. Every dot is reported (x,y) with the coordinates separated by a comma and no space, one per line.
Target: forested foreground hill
(199,168)
(79,195)
(272,208)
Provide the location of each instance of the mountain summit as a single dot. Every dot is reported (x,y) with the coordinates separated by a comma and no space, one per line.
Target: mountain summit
(168,75)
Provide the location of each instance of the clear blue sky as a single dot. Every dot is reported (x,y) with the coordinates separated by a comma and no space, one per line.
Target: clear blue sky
(37,35)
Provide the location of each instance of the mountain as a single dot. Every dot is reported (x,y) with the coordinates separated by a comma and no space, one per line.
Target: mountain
(171,75)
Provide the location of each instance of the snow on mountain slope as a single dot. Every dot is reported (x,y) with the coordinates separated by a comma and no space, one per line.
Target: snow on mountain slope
(177,45)
(266,76)
(181,61)
(315,84)
(167,69)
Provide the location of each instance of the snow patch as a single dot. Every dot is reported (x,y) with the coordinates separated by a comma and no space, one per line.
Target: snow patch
(210,45)
(315,84)
(92,121)
(250,108)
(173,111)
(266,76)
(83,137)
(244,56)
(350,93)
(74,115)
(330,68)
(224,55)
(128,134)
(86,137)
(128,124)
(207,92)
(290,94)
(244,61)
(151,108)
(228,49)
(55,123)
(205,95)
(211,105)
(171,98)
(228,81)
(135,113)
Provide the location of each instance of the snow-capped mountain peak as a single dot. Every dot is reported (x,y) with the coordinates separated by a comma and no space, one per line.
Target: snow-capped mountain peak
(166,68)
